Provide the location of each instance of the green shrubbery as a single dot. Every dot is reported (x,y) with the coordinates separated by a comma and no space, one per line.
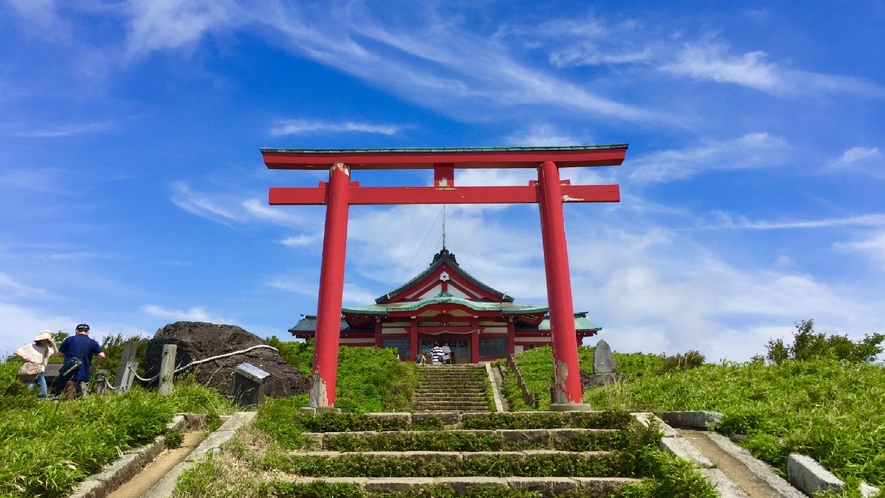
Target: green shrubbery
(811,345)
(47,448)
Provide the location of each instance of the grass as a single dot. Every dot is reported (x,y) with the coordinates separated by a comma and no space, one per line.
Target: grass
(823,408)
(47,448)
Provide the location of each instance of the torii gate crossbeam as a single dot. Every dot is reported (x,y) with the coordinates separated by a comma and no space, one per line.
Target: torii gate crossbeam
(549,192)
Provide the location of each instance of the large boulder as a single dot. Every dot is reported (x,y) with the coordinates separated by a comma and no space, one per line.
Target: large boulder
(199,341)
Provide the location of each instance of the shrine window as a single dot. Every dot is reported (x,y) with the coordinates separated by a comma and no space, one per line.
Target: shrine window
(493,346)
(403,345)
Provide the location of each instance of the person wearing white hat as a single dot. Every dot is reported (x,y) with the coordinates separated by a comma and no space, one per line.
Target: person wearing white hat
(38,352)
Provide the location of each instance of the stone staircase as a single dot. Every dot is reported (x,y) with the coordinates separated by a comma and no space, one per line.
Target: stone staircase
(411,453)
(452,388)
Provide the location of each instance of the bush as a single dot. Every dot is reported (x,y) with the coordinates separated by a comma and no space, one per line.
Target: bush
(688,361)
(809,345)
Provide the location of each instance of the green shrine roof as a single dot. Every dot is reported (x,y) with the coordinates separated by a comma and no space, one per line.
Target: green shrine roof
(507,308)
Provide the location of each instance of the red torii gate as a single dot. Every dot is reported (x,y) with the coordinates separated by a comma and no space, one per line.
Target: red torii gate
(549,192)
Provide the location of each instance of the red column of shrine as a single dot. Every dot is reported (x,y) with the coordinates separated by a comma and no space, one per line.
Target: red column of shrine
(567,381)
(325,356)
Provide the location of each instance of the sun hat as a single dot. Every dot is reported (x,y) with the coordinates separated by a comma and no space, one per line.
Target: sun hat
(44,335)
(82,328)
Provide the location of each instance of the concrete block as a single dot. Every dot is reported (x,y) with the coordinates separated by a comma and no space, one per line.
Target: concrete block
(808,475)
(462,484)
(545,485)
(685,450)
(868,491)
(693,420)
(603,486)
(757,467)
(724,486)
(381,484)
(538,436)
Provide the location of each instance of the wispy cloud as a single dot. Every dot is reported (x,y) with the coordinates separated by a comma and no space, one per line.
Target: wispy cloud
(195,314)
(863,160)
(201,204)
(712,61)
(725,220)
(64,130)
(754,150)
(165,24)
(302,126)
(8,286)
(872,247)
(542,135)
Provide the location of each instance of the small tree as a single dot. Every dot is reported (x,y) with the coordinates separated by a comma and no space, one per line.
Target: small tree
(808,345)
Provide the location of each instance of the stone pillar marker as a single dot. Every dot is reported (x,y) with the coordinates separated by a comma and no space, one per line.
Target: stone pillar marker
(603,360)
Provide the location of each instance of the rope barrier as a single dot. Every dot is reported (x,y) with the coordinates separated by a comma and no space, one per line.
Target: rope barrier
(197,362)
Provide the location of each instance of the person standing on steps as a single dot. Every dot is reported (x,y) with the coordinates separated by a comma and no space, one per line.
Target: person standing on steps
(437,353)
(447,353)
(82,348)
(39,352)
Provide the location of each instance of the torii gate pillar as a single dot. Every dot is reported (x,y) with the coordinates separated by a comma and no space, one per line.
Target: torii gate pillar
(325,353)
(549,192)
(567,384)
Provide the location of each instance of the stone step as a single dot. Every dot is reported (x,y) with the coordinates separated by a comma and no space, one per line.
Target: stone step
(542,438)
(595,487)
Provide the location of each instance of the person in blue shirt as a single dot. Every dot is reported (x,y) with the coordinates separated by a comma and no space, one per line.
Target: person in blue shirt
(82,347)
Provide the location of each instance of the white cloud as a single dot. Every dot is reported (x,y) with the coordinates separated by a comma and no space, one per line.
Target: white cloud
(754,150)
(201,204)
(165,24)
(8,287)
(725,220)
(872,247)
(195,314)
(64,130)
(863,160)
(302,126)
(302,240)
(21,324)
(541,135)
(710,61)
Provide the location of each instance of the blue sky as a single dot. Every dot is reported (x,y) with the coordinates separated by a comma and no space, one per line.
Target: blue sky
(133,194)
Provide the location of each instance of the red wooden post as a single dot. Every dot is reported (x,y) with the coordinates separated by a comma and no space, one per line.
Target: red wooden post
(559,288)
(325,357)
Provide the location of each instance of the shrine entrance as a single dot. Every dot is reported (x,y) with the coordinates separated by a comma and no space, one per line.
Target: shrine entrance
(549,192)
(460,347)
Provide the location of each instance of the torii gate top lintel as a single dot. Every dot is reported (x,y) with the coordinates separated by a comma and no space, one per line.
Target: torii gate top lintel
(428,158)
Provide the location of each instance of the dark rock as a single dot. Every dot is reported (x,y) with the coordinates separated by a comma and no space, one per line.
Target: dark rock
(198,341)
(600,379)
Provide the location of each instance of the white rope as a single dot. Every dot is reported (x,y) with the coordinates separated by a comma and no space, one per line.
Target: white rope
(197,362)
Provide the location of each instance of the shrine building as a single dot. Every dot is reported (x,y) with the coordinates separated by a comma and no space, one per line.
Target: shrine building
(443,304)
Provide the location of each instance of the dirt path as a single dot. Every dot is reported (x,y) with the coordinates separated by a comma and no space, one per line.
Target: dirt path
(155,470)
(733,468)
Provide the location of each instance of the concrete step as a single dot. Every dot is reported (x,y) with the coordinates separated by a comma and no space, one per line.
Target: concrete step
(547,486)
(539,438)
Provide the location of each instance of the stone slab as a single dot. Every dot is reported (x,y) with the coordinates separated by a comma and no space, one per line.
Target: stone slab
(757,467)
(702,420)
(724,486)
(680,447)
(810,476)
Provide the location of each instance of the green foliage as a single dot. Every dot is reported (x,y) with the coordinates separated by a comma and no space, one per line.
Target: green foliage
(374,380)
(811,345)
(691,359)
(829,410)
(299,354)
(113,351)
(47,448)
